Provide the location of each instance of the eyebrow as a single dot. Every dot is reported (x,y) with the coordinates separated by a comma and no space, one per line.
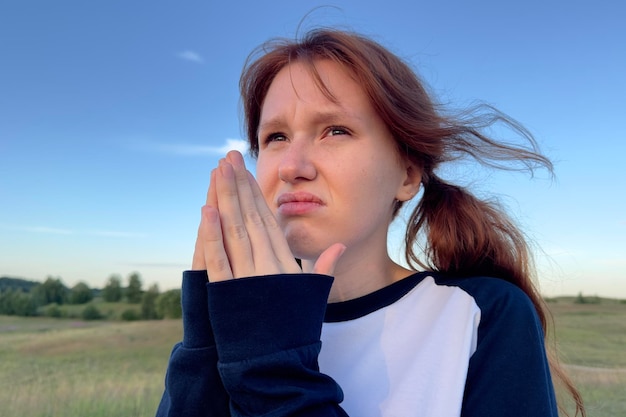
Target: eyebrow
(321,117)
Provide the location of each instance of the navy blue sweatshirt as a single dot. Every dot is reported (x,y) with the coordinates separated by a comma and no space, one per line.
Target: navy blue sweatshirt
(424,346)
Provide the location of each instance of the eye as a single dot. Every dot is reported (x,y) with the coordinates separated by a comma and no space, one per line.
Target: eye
(274,137)
(337,130)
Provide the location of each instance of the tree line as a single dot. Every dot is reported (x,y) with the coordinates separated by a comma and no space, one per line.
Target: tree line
(52,298)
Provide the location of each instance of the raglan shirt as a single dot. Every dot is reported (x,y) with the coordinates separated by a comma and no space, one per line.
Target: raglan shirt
(426,346)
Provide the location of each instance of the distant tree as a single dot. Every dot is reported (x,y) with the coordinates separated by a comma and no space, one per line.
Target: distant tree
(148,304)
(112,291)
(80,294)
(8,283)
(23,304)
(168,304)
(133,291)
(51,290)
(15,302)
(6,302)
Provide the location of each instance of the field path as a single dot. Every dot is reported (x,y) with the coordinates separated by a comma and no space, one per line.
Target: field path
(603,378)
(582,368)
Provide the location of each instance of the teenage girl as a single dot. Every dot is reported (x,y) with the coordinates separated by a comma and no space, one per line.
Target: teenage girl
(345,134)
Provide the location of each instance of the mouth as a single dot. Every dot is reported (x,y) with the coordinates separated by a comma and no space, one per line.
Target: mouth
(298,203)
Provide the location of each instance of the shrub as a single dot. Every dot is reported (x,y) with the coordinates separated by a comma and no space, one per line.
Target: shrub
(130,315)
(53,310)
(91,312)
(168,304)
(581,299)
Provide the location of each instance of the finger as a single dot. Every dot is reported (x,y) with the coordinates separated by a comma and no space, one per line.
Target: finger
(264,216)
(236,241)
(247,202)
(211,197)
(327,261)
(279,244)
(214,254)
(198,263)
(269,247)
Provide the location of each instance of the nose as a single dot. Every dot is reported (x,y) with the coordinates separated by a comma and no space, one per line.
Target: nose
(297,163)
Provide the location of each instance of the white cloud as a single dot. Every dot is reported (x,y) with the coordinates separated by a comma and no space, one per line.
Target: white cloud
(200,150)
(191,56)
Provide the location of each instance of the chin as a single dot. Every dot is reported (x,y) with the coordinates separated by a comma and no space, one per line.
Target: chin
(304,252)
(303,246)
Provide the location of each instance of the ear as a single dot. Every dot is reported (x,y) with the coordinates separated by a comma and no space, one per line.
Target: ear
(411,183)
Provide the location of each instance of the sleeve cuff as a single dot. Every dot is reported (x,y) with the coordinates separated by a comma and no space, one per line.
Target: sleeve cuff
(197,331)
(262,315)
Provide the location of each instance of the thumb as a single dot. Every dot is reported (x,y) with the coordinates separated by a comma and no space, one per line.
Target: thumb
(327,261)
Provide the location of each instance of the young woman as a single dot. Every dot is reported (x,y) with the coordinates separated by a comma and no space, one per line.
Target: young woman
(344,134)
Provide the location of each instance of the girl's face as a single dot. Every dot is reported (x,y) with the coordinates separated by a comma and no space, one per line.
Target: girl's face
(329,170)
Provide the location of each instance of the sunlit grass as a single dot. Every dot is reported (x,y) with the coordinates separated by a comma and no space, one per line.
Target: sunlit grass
(591,338)
(591,334)
(71,368)
(66,368)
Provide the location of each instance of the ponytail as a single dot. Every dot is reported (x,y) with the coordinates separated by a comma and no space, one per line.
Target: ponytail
(466,237)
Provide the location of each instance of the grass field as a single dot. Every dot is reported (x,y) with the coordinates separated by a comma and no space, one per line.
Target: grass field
(53,367)
(592,341)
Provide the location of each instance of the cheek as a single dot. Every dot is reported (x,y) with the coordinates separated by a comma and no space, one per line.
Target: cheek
(380,178)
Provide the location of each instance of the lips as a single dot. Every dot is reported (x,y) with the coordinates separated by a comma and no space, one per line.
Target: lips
(298,203)
(298,197)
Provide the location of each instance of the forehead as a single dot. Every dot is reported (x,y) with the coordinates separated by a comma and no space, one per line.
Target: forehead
(323,85)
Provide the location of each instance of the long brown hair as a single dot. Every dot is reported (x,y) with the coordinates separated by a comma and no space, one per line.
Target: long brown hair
(462,235)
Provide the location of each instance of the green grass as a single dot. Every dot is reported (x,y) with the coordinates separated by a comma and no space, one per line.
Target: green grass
(72,368)
(591,338)
(591,335)
(603,390)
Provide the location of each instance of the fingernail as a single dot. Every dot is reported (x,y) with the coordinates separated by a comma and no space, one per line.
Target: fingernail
(210,213)
(235,159)
(227,170)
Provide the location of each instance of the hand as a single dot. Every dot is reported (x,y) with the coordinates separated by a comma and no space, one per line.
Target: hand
(238,234)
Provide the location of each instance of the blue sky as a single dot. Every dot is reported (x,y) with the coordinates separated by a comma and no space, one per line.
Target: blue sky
(113,113)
